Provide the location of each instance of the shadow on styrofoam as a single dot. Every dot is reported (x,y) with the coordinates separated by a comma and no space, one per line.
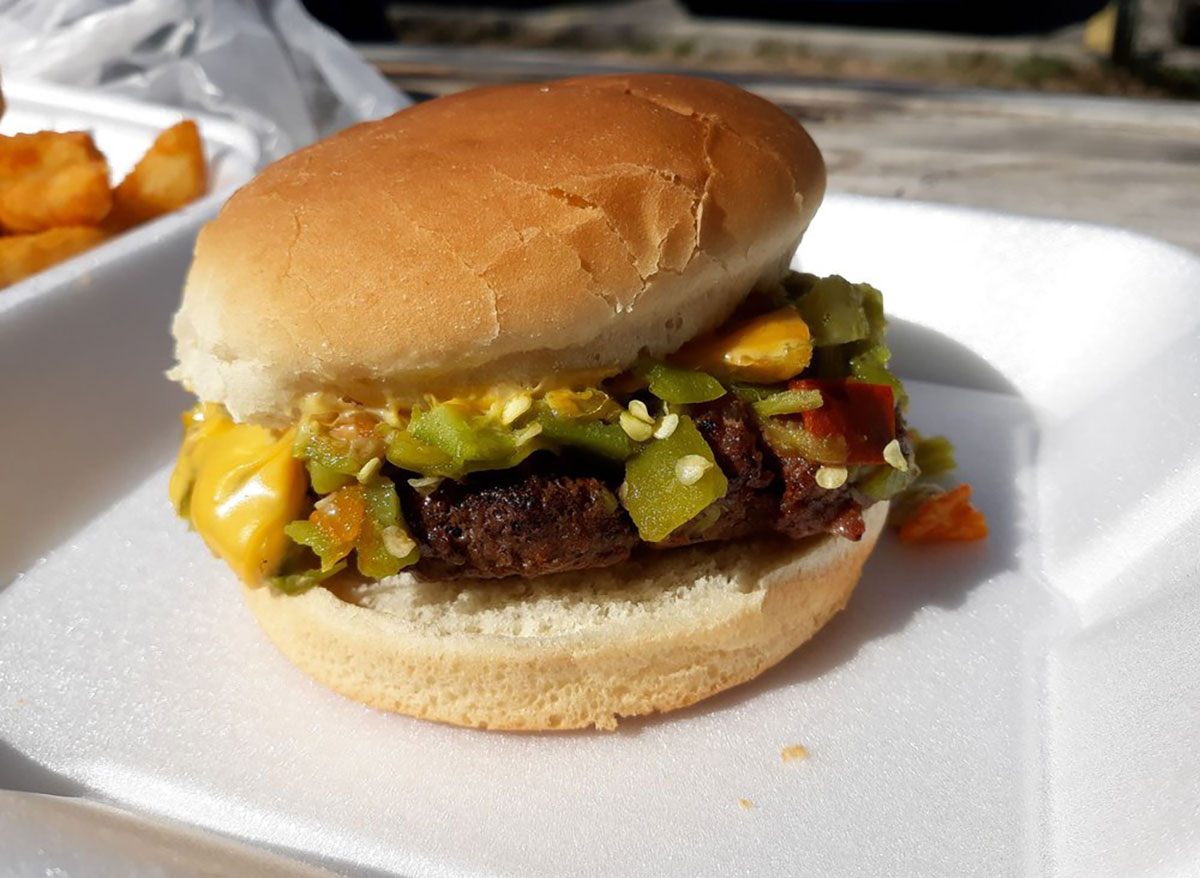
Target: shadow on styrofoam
(19,772)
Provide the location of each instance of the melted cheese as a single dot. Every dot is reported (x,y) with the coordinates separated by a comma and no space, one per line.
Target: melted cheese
(765,349)
(239,485)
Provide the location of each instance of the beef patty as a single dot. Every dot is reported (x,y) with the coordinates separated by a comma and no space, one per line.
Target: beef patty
(554,514)
(527,521)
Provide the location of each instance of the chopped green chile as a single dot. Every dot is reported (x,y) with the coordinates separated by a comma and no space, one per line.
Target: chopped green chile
(680,386)
(367,511)
(872,304)
(792,286)
(323,479)
(466,442)
(334,456)
(849,329)
(787,402)
(407,452)
(592,436)
(833,309)
(448,440)
(298,583)
(754,392)
(934,455)
(790,436)
(657,501)
(884,482)
(330,551)
(453,431)
(383,511)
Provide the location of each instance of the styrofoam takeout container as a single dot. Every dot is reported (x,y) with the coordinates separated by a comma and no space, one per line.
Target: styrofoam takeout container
(1029,706)
(123,130)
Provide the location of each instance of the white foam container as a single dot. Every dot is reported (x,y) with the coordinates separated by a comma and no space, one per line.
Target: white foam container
(123,130)
(1028,706)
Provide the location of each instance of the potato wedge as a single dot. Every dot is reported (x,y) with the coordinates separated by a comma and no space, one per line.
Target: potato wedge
(23,255)
(52,179)
(168,176)
(77,195)
(43,151)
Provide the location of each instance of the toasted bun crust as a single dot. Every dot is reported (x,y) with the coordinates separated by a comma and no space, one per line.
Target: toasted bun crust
(503,235)
(571,650)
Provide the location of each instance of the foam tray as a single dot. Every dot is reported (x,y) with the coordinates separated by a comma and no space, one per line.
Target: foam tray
(1022,707)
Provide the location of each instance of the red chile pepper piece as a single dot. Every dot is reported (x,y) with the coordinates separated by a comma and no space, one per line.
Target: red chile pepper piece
(863,413)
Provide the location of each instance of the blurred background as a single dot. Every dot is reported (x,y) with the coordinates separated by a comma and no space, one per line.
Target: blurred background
(1128,47)
(1042,107)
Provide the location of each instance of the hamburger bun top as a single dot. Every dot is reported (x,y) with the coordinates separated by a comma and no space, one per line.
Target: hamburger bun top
(513,235)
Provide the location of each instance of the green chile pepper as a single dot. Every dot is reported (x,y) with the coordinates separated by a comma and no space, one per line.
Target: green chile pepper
(660,491)
(680,386)
(595,437)
(297,583)
(934,455)
(884,482)
(787,402)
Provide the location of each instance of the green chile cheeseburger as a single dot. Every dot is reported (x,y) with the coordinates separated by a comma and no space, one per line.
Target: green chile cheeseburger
(513,414)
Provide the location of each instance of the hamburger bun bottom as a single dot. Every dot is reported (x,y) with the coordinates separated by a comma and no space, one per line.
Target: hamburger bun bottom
(656,633)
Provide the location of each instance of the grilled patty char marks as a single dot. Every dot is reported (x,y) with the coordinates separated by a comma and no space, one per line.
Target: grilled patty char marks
(806,508)
(551,515)
(529,521)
